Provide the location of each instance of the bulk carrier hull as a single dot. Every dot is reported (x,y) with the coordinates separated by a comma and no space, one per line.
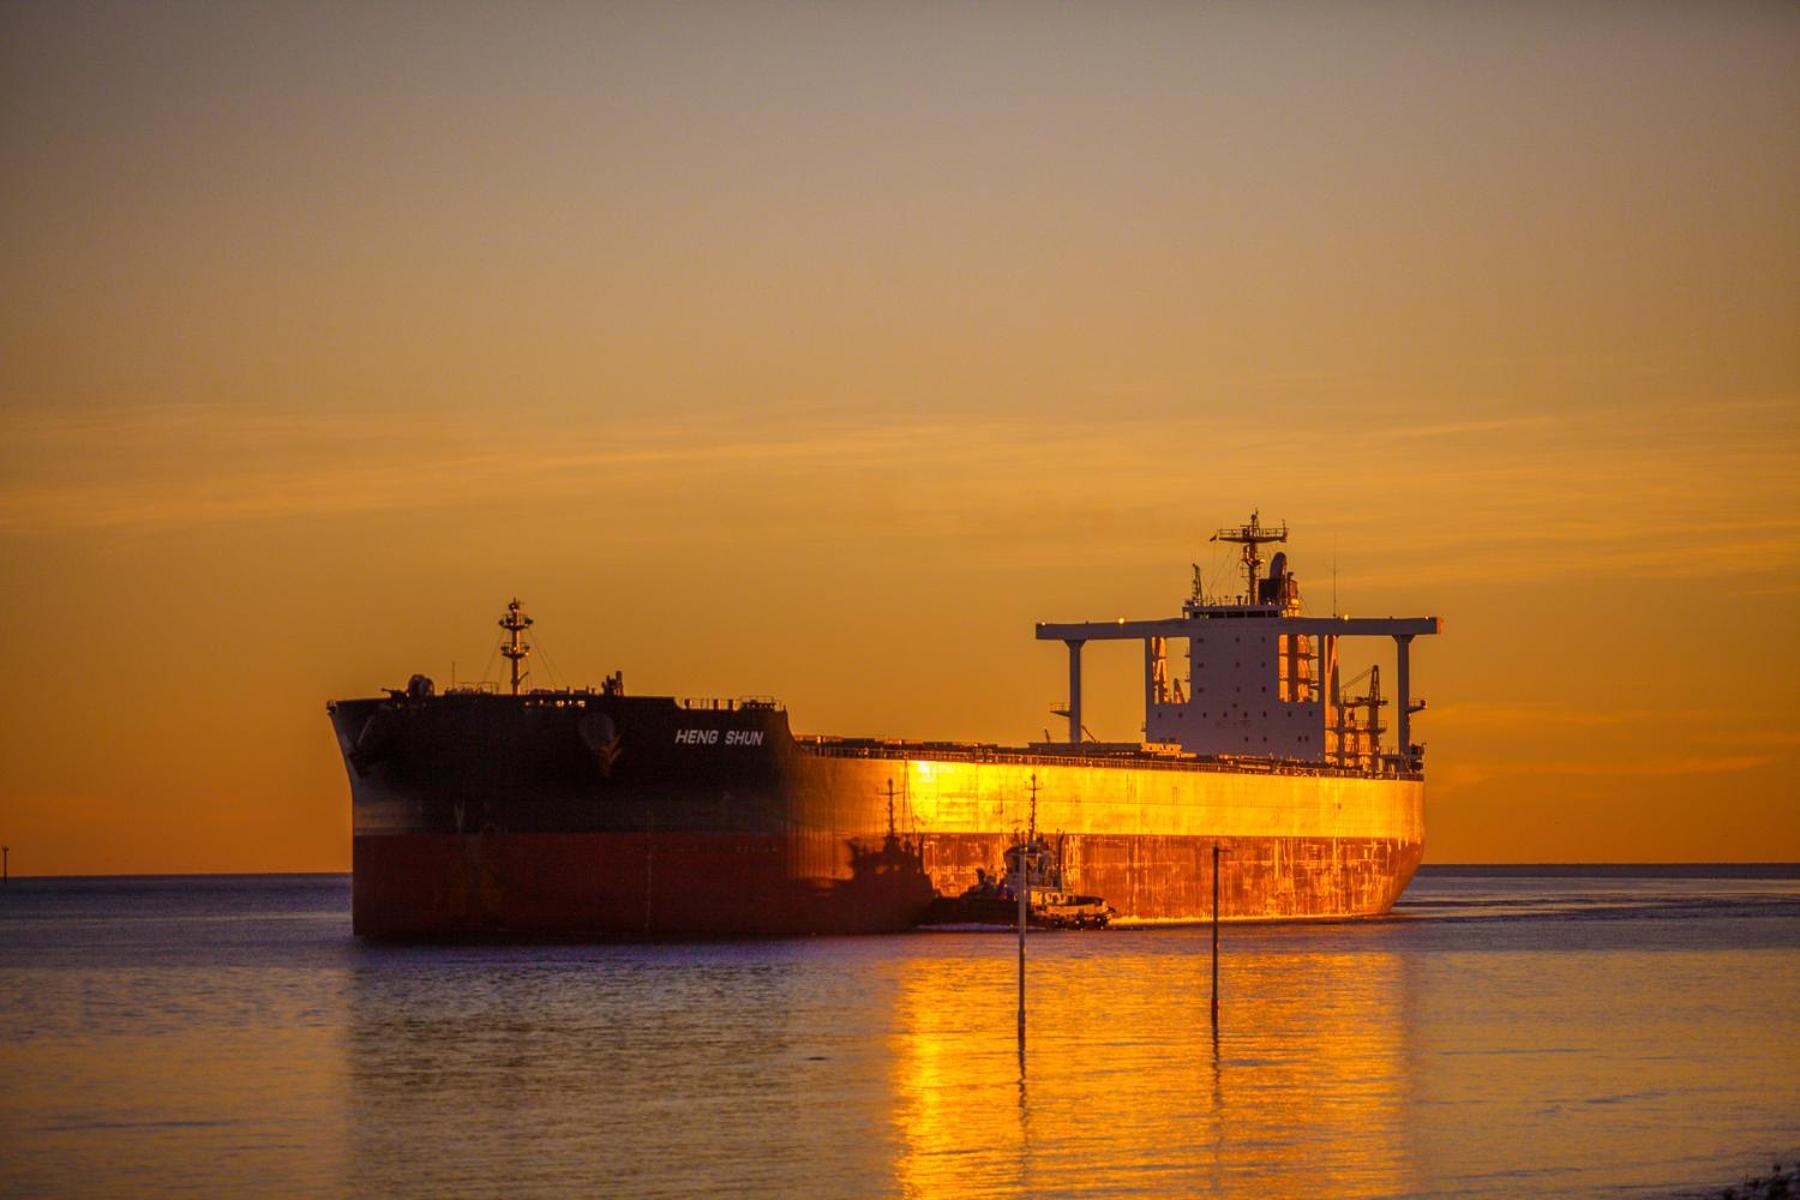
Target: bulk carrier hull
(592,815)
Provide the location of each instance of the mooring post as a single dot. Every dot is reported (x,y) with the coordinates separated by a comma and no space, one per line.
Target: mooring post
(1024,900)
(1215,938)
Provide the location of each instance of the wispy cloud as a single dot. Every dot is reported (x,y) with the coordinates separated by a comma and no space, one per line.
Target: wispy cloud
(1780,738)
(1463,429)
(1462,773)
(1671,495)
(352,464)
(1535,714)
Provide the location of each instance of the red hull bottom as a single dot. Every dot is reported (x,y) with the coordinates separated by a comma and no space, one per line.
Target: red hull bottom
(690,885)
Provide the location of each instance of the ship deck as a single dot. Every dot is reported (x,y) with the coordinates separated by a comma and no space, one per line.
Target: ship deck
(1107,756)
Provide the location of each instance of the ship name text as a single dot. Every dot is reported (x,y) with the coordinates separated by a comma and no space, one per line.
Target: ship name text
(711,737)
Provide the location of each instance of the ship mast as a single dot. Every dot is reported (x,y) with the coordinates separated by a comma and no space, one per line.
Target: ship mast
(1252,537)
(516,649)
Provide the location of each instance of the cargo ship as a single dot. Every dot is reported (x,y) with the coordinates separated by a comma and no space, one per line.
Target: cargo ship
(509,810)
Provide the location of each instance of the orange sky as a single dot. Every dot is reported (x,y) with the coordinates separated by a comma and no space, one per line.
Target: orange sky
(820,350)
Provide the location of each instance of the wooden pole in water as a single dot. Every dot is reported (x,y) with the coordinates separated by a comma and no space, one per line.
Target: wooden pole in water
(1024,889)
(1215,938)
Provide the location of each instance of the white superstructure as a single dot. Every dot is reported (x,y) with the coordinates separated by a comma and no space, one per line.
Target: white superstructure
(1262,680)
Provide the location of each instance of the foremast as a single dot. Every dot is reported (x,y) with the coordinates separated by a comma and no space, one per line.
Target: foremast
(516,648)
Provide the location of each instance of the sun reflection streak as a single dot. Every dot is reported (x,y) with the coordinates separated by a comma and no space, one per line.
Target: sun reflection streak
(1123,1080)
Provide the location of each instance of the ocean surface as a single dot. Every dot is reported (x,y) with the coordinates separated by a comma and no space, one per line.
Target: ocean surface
(1506,1033)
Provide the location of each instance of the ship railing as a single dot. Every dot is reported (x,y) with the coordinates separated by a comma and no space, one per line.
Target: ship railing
(569,697)
(1236,606)
(827,747)
(726,704)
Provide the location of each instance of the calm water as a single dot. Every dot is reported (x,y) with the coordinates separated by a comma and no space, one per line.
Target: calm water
(1504,1035)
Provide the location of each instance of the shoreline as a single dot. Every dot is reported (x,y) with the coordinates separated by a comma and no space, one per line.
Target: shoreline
(1781,1183)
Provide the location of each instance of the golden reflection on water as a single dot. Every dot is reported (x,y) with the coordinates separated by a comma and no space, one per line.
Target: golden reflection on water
(1452,1058)
(1122,1080)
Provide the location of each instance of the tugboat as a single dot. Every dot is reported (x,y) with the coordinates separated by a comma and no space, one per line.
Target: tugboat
(1031,863)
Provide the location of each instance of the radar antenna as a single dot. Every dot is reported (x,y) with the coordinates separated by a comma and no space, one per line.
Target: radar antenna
(516,649)
(1252,537)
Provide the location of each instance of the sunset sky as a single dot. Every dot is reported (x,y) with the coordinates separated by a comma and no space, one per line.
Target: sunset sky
(819,350)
